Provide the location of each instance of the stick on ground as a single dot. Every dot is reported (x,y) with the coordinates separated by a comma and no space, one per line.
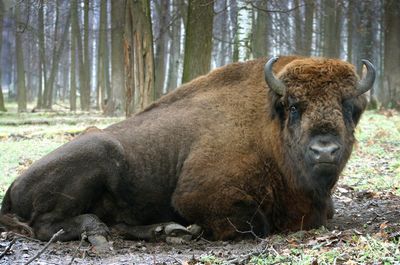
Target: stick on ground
(46,246)
(8,247)
(83,238)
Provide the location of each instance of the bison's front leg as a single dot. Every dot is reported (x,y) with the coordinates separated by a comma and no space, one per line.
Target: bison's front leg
(96,231)
(224,199)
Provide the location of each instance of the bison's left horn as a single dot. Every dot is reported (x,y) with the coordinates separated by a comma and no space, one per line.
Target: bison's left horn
(274,83)
(366,83)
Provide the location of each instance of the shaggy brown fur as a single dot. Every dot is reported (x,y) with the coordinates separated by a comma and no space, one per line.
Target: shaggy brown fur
(223,151)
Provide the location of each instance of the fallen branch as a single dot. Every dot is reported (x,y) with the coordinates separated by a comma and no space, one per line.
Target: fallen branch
(83,238)
(8,247)
(251,232)
(46,246)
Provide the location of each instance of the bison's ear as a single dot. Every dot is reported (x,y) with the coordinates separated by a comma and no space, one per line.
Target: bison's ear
(277,106)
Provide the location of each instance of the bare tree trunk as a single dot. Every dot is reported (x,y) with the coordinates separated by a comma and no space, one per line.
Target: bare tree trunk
(2,106)
(72,83)
(308,26)
(129,66)
(162,9)
(332,28)
(175,47)
(298,33)
(21,88)
(84,89)
(198,41)
(57,53)
(142,38)
(102,62)
(42,56)
(350,28)
(392,53)
(260,37)
(117,55)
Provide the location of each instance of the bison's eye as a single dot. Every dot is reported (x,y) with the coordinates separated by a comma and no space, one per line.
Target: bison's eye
(293,109)
(352,112)
(294,113)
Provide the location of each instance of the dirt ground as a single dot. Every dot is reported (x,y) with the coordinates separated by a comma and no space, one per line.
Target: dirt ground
(357,213)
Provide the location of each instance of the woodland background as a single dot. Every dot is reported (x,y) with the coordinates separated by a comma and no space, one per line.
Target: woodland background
(118,56)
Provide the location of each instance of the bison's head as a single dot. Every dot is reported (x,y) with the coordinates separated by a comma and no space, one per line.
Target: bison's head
(318,102)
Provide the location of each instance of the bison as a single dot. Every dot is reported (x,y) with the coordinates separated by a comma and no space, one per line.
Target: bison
(255,146)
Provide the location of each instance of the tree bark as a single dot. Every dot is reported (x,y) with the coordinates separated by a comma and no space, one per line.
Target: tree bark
(117,56)
(42,56)
(260,37)
(102,89)
(57,53)
(72,83)
(198,40)
(161,44)
(84,89)
(392,54)
(308,26)
(332,28)
(21,88)
(175,46)
(2,106)
(139,26)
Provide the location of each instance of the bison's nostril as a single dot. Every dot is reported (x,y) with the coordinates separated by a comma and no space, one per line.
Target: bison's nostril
(324,152)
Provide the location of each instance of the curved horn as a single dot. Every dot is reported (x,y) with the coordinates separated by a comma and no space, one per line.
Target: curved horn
(366,83)
(275,84)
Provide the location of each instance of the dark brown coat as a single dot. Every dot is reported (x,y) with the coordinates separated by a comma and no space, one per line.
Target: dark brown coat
(223,151)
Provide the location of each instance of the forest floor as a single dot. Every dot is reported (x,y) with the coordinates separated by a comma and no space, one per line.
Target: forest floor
(364,230)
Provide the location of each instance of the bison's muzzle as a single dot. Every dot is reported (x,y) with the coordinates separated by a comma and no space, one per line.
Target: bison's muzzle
(323,156)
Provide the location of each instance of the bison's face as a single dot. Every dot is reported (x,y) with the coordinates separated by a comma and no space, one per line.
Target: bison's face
(320,105)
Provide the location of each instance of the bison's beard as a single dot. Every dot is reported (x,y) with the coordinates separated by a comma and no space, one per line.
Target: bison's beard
(324,175)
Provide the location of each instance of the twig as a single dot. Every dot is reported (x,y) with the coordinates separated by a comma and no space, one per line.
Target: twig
(83,237)
(8,247)
(46,246)
(245,232)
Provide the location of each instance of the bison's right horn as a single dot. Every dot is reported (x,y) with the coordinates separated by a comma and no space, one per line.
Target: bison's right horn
(366,83)
(274,83)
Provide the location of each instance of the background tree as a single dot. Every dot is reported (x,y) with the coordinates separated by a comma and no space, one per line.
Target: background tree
(198,40)
(391,66)
(117,57)
(2,106)
(70,49)
(21,88)
(103,90)
(139,43)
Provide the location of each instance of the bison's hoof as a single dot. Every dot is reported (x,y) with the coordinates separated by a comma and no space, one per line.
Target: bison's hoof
(174,230)
(100,243)
(195,230)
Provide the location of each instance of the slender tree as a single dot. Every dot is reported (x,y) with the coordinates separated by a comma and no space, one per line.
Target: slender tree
(198,40)
(103,89)
(2,106)
(260,35)
(392,53)
(140,42)
(21,88)
(117,57)
(175,45)
(72,82)
(161,45)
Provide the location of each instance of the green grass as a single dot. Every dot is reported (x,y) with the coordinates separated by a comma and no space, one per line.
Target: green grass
(375,162)
(26,137)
